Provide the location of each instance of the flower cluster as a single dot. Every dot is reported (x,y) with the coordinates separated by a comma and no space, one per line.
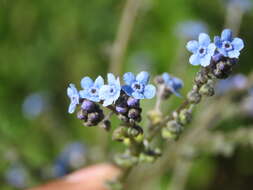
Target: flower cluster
(220,55)
(122,99)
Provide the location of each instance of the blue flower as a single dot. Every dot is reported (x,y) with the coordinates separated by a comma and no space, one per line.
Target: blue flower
(202,50)
(110,92)
(74,97)
(227,45)
(172,83)
(138,86)
(91,89)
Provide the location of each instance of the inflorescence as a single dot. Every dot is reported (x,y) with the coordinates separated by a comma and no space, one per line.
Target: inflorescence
(216,60)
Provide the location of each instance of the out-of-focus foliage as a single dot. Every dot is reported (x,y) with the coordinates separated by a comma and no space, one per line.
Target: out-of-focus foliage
(46,44)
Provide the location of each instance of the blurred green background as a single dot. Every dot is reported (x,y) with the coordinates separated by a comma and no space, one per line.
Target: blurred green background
(46,44)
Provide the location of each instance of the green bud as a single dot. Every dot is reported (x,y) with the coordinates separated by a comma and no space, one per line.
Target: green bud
(147,158)
(185,117)
(126,160)
(155,117)
(167,134)
(119,134)
(201,78)
(194,97)
(207,89)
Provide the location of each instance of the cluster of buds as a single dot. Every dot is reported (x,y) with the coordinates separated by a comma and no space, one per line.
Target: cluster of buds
(90,113)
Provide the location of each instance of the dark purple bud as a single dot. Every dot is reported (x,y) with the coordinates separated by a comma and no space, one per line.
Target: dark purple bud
(94,118)
(88,106)
(121,110)
(82,115)
(132,102)
(217,57)
(134,113)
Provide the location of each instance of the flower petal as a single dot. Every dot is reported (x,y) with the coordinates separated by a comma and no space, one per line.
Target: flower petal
(194,60)
(70,92)
(211,49)
(84,94)
(217,42)
(205,61)
(129,78)
(204,39)
(192,46)
(86,82)
(238,44)
(143,77)
(108,102)
(227,35)
(128,90)
(111,78)
(149,91)
(99,82)
(72,108)
(138,95)
(233,54)
(104,92)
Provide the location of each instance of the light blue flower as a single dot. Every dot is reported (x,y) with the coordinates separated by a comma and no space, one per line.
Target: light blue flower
(138,86)
(174,84)
(227,45)
(91,89)
(202,50)
(74,98)
(110,93)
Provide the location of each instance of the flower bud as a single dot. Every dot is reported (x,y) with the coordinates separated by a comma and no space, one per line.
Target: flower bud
(201,78)
(147,158)
(207,90)
(121,109)
(132,102)
(134,113)
(82,115)
(94,118)
(119,134)
(155,117)
(222,69)
(126,161)
(88,106)
(194,97)
(123,118)
(185,117)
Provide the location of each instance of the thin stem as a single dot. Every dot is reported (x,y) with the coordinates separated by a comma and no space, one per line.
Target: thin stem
(123,35)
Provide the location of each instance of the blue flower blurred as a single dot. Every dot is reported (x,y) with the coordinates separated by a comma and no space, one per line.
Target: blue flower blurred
(202,50)
(174,84)
(110,93)
(138,86)
(17,176)
(74,98)
(190,29)
(227,45)
(91,89)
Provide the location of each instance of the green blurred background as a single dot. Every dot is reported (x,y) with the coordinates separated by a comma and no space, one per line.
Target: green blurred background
(46,44)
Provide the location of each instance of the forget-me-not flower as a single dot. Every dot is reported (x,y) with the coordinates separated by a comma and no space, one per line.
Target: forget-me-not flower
(138,86)
(110,92)
(174,84)
(74,97)
(202,50)
(227,45)
(91,89)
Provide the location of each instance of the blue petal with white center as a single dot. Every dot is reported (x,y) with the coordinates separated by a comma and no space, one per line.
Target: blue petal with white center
(110,93)
(174,84)
(91,89)
(227,45)
(202,50)
(138,86)
(74,98)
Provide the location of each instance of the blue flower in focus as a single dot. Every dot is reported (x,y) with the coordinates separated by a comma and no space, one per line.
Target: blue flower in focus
(138,86)
(91,89)
(74,97)
(174,84)
(110,92)
(202,50)
(227,45)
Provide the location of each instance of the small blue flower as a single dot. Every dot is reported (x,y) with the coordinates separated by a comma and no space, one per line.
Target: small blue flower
(202,50)
(138,86)
(174,84)
(110,92)
(91,89)
(74,97)
(227,45)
